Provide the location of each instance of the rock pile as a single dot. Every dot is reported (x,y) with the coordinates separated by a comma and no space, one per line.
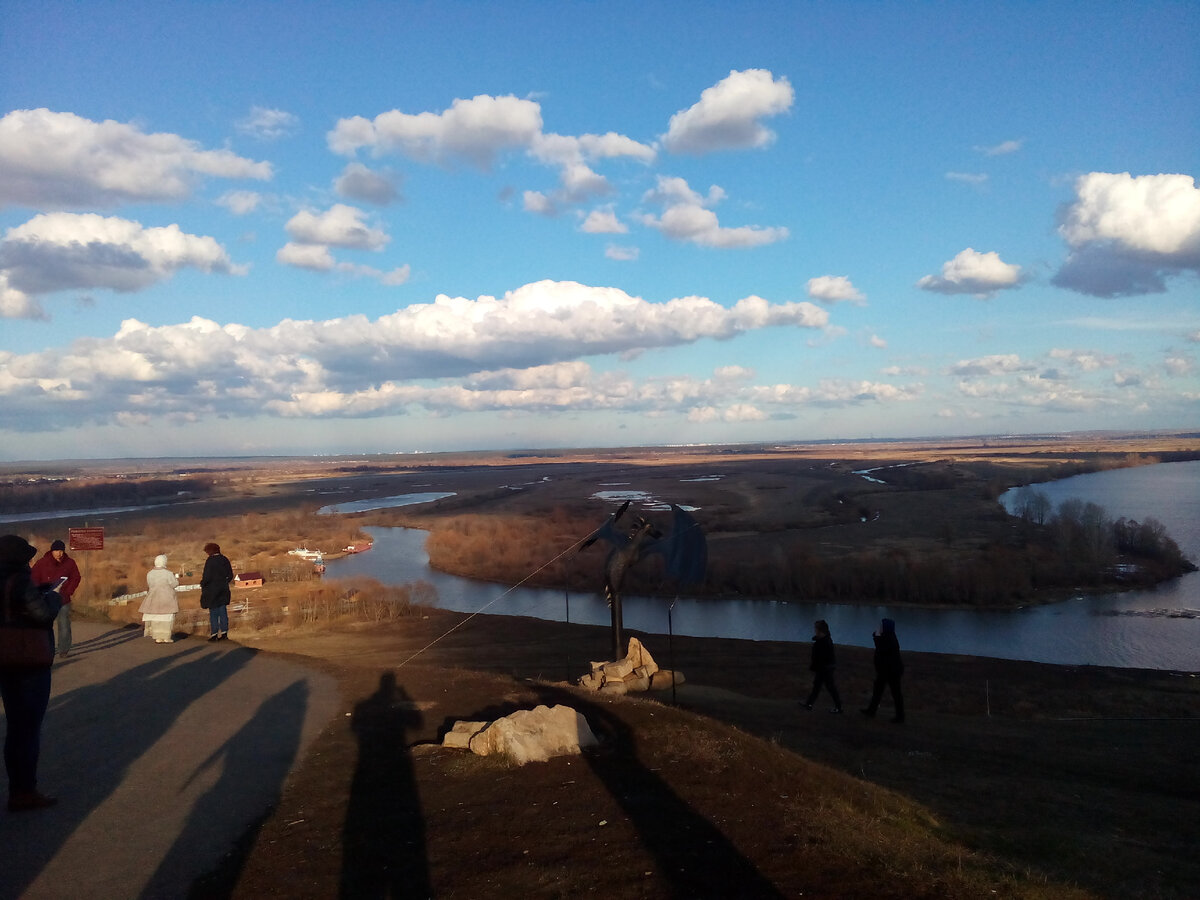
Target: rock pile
(636,672)
(528,735)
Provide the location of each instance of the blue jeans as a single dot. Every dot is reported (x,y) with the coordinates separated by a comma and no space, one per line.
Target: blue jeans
(26,694)
(218,619)
(62,624)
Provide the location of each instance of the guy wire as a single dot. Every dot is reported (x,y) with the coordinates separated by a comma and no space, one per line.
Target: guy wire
(491,602)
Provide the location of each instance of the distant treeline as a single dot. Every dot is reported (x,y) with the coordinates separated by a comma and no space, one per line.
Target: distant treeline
(36,496)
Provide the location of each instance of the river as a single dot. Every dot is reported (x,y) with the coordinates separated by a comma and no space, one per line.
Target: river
(1153,629)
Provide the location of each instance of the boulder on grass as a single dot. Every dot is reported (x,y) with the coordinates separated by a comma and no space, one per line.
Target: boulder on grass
(534,735)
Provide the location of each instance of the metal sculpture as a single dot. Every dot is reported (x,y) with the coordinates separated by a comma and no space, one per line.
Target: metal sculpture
(684,551)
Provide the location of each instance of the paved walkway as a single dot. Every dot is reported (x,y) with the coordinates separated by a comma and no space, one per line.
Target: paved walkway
(162,756)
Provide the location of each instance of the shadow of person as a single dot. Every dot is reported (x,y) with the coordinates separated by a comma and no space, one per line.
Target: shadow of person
(256,760)
(92,736)
(692,854)
(383,840)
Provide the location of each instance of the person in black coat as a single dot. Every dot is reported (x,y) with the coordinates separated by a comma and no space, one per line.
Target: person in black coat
(214,591)
(822,666)
(888,670)
(24,684)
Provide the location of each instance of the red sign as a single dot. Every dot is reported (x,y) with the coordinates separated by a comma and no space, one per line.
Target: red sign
(85,538)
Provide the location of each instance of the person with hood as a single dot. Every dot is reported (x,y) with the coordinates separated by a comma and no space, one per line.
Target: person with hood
(159,608)
(822,666)
(888,669)
(214,591)
(24,684)
(48,570)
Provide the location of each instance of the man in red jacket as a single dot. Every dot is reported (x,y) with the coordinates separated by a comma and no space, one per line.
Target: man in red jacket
(47,570)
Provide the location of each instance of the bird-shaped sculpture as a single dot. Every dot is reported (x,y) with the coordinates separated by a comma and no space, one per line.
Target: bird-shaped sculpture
(684,551)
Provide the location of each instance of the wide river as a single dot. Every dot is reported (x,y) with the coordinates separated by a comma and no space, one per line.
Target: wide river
(1153,629)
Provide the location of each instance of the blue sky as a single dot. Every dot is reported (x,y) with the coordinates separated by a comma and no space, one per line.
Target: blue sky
(247,228)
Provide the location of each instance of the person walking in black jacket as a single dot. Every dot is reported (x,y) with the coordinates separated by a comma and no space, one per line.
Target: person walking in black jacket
(822,666)
(888,670)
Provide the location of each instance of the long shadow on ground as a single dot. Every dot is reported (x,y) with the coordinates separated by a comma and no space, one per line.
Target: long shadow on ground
(383,841)
(95,734)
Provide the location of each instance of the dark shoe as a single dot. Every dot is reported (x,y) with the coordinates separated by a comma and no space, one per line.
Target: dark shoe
(24,801)
(837,710)
(223,636)
(869,713)
(214,637)
(807,706)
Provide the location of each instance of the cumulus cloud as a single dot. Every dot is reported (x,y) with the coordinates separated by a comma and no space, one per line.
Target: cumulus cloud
(338,226)
(1128,233)
(61,251)
(16,304)
(52,160)
(972,272)
(687,218)
(357,182)
(268,124)
(727,115)
(240,203)
(834,289)
(1085,360)
(472,131)
(603,221)
(357,366)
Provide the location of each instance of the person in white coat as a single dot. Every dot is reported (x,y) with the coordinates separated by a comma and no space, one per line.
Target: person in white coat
(159,608)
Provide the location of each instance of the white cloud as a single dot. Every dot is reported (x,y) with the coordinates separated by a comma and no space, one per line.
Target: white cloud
(727,115)
(1001,149)
(1085,360)
(1127,233)
(305,256)
(338,226)
(52,160)
(971,272)
(537,202)
(240,203)
(999,364)
(1179,366)
(685,218)
(834,289)
(357,182)
(268,124)
(474,131)
(61,251)
(16,304)
(878,342)
(621,253)
(356,366)
(603,221)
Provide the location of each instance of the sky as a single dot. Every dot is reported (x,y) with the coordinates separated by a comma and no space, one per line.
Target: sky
(343,228)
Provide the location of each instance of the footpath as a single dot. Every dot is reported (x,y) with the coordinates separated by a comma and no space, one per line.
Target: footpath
(162,757)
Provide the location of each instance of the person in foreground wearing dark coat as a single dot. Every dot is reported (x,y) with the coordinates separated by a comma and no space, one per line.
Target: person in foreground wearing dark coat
(24,686)
(822,666)
(214,591)
(888,669)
